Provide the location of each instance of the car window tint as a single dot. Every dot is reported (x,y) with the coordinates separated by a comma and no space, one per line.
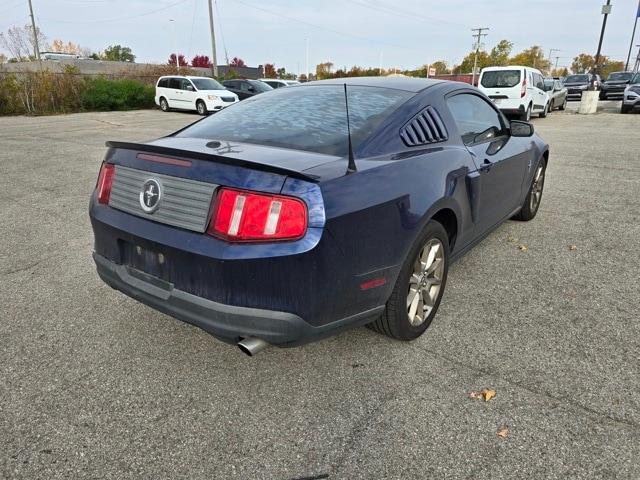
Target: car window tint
(500,79)
(174,83)
(163,83)
(184,84)
(476,120)
(206,84)
(311,118)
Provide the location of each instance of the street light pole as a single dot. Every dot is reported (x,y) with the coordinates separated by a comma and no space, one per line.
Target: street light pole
(606,10)
(633,36)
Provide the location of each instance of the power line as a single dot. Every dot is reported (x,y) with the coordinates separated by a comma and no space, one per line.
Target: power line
(321,27)
(151,12)
(395,10)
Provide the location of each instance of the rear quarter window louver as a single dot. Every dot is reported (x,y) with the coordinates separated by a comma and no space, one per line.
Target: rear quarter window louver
(425,128)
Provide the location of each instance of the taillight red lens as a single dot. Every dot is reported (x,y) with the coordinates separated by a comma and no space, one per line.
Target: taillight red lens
(105,180)
(523,92)
(243,216)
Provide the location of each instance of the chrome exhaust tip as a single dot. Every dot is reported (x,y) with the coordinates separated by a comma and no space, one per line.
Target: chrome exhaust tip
(252,346)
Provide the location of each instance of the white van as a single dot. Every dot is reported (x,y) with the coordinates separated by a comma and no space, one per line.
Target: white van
(515,90)
(202,94)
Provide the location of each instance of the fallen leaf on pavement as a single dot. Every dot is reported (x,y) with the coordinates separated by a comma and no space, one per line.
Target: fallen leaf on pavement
(512,239)
(523,248)
(485,394)
(572,248)
(503,431)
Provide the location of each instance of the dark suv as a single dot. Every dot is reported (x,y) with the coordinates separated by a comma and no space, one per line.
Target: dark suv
(576,84)
(246,88)
(615,85)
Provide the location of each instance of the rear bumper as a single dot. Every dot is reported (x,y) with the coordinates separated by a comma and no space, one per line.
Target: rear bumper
(510,106)
(226,322)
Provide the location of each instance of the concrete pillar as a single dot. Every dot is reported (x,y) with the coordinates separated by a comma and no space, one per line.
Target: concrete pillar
(589,102)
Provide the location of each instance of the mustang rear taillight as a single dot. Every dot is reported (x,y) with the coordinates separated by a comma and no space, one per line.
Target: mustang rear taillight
(105,180)
(523,91)
(243,216)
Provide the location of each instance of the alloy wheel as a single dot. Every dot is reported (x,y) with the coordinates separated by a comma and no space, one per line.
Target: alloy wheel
(536,189)
(425,282)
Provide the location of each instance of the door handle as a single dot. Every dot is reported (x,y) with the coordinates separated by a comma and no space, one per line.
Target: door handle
(486,165)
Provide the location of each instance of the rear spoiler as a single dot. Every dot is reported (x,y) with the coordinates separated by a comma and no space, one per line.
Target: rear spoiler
(191,155)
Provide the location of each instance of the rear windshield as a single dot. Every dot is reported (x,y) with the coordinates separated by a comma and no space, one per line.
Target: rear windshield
(311,118)
(621,76)
(206,84)
(500,78)
(576,78)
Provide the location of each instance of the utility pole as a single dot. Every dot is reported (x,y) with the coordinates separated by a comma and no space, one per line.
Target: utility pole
(557,58)
(35,32)
(636,68)
(606,11)
(307,55)
(633,36)
(551,52)
(478,36)
(214,58)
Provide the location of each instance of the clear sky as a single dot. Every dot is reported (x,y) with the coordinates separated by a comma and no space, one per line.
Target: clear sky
(404,34)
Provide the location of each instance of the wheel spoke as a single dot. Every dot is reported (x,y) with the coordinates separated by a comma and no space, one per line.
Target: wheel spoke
(413,305)
(434,266)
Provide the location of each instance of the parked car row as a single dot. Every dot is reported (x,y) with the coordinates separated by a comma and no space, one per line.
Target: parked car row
(206,95)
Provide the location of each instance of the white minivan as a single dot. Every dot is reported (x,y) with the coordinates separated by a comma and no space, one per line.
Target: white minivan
(202,94)
(515,90)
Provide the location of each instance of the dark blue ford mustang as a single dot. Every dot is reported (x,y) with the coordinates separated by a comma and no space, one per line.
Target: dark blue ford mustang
(311,209)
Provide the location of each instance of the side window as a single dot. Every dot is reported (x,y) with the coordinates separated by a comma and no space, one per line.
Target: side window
(174,83)
(539,81)
(163,83)
(477,121)
(244,86)
(184,84)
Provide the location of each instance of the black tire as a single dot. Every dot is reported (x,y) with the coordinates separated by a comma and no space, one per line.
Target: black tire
(529,208)
(394,321)
(564,104)
(164,105)
(201,108)
(625,108)
(526,116)
(603,96)
(544,112)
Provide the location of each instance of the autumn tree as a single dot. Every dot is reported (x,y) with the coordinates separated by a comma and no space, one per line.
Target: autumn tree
(560,72)
(583,63)
(181,60)
(531,57)
(59,46)
(270,70)
(323,70)
(237,62)
(484,60)
(19,42)
(500,54)
(441,67)
(609,67)
(282,73)
(201,61)
(117,53)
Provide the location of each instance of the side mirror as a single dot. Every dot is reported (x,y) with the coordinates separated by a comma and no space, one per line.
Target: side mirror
(521,129)
(189,88)
(252,89)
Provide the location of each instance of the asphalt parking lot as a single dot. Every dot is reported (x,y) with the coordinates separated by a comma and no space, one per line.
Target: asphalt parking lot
(95,385)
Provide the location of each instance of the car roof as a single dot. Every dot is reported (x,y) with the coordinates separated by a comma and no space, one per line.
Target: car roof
(509,67)
(410,84)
